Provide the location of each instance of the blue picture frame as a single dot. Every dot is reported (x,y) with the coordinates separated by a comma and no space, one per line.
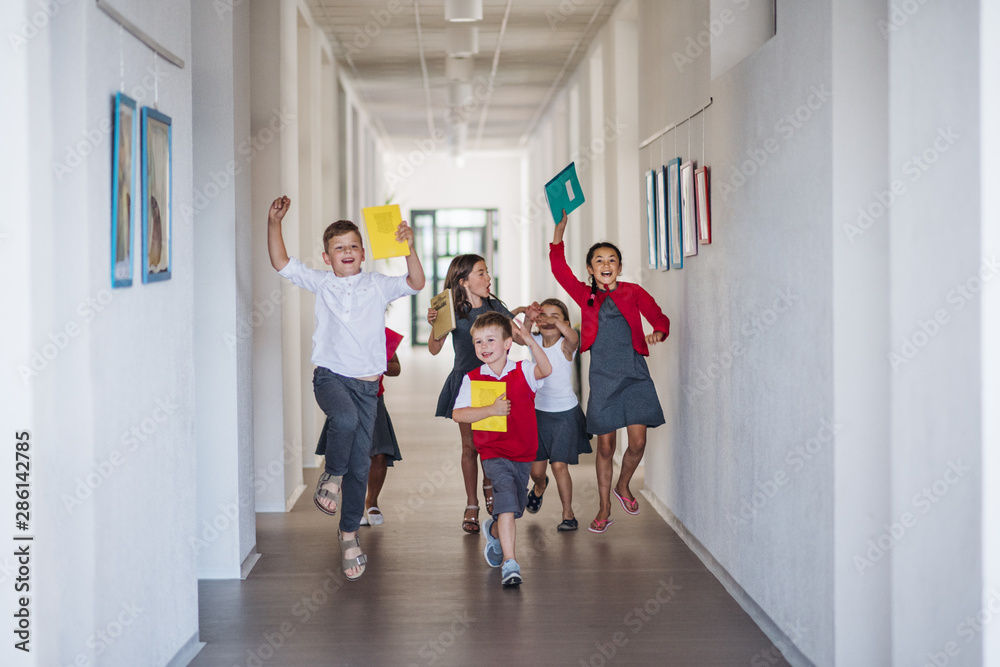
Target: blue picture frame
(663,235)
(673,197)
(651,248)
(122,190)
(157,169)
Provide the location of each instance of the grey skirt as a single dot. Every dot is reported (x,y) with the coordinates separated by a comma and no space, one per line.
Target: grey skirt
(384,436)
(562,436)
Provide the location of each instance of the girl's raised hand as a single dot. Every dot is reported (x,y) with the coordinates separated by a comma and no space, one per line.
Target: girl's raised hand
(279,207)
(557,236)
(655,337)
(431,315)
(532,312)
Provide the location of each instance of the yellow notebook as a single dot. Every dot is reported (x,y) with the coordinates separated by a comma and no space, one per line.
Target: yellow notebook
(382,222)
(444,304)
(485,393)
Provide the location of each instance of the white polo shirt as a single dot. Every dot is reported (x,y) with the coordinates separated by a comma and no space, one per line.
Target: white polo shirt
(350,317)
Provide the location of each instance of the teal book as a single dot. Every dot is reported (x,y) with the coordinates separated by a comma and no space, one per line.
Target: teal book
(564,192)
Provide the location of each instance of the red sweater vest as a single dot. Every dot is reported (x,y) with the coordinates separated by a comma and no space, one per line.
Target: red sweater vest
(520,442)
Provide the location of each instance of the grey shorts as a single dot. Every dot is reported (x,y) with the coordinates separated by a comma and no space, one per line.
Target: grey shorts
(510,485)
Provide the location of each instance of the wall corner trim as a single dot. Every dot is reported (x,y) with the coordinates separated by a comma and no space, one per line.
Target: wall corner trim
(187,653)
(777,636)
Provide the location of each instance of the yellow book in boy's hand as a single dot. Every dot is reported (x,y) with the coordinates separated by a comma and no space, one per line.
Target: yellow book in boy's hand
(485,393)
(382,222)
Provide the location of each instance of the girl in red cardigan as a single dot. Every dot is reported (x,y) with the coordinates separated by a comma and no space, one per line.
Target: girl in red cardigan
(622,393)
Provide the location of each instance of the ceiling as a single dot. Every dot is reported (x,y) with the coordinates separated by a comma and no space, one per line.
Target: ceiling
(526,48)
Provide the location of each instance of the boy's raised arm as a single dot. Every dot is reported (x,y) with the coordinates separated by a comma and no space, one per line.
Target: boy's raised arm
(275,242)
(415,272)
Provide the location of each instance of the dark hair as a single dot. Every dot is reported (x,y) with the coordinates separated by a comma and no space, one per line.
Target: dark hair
(339,228)
(459,269)
(493,319)
(590,255)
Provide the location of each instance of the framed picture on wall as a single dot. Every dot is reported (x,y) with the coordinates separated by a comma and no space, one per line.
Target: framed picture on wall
(688,221)
(673,197)
(701,202)
(122,190)
(662,235)
(156,190)
(651,251)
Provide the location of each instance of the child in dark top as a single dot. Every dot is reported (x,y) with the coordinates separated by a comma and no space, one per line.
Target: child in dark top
(622,393)
(469,280)
(506,455)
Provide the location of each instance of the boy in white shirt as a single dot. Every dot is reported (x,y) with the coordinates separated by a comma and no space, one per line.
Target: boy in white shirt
(349,354)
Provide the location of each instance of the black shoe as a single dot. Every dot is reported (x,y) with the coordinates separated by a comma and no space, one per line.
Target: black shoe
(535,502)
(567,524)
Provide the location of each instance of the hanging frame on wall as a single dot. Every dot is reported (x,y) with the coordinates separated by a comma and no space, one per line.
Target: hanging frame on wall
(673,199)
(701,201)
(688,210)
(122,190)
(157,236)
(651,253)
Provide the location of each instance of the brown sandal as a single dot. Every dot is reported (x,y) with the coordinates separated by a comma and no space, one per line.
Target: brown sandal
(471,526)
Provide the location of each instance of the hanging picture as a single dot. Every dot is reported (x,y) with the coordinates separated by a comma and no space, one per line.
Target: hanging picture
(662,235)
(673,197)
(687,210)
(156,187)
(701,201)
(651,218)
(122,190)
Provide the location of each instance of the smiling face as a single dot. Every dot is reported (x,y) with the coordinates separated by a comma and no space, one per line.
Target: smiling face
(478,281)
(345,254)
(491,345)
(605,265)
(550,314)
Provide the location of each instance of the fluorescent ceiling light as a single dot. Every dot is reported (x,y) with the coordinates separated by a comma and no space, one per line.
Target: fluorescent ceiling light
(463,10)
(462,40)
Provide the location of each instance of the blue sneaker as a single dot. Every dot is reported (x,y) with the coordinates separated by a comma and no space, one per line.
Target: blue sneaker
(493,552)
(510,574)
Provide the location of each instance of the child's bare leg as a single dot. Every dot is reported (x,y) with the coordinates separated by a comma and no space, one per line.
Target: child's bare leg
(605,469)
(504,528)
(631,458)
(470,469)
(376,479)
(565,485)
(538,476)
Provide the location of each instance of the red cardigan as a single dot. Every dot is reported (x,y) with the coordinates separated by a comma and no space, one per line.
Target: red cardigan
(631,300)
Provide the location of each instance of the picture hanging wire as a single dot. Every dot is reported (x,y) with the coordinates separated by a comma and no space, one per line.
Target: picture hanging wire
(689,141)
(121,55)
(659,134)
(156,82)
(704,119)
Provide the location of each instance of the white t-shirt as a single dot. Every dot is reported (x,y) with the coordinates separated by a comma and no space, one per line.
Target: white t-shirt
(464,398)
(350,317)
(557,394)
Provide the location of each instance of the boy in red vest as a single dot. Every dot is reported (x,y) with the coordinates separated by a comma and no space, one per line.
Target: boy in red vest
(507,456)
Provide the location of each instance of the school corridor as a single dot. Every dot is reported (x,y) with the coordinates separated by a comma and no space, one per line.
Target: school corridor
(635,595)
(807,188)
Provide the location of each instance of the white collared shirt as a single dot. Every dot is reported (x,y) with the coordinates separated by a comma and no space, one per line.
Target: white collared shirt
(350,317)
(464,398)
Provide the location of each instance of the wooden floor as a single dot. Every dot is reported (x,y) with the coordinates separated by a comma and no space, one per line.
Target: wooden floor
(635,595)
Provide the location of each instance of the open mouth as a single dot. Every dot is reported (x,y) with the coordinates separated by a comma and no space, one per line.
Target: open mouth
(606,274)
(347,260)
